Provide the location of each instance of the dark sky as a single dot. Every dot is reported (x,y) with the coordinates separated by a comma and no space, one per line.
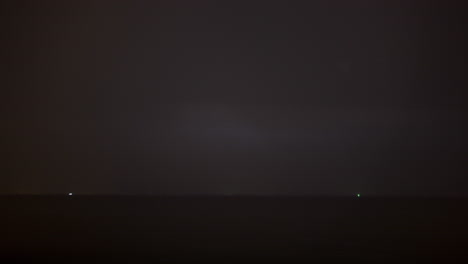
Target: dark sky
(233,97)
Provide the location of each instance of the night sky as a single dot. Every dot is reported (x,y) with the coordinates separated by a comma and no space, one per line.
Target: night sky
(233,97)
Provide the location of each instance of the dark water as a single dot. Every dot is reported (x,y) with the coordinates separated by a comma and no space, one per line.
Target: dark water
(233,229)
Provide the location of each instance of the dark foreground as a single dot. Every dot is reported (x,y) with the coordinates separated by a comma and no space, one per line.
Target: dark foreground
(233,229)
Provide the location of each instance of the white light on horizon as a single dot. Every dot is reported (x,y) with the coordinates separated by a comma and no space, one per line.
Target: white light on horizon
(70,194)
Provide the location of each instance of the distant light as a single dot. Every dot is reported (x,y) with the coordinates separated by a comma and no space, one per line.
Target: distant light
(70,194)
(358,195)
